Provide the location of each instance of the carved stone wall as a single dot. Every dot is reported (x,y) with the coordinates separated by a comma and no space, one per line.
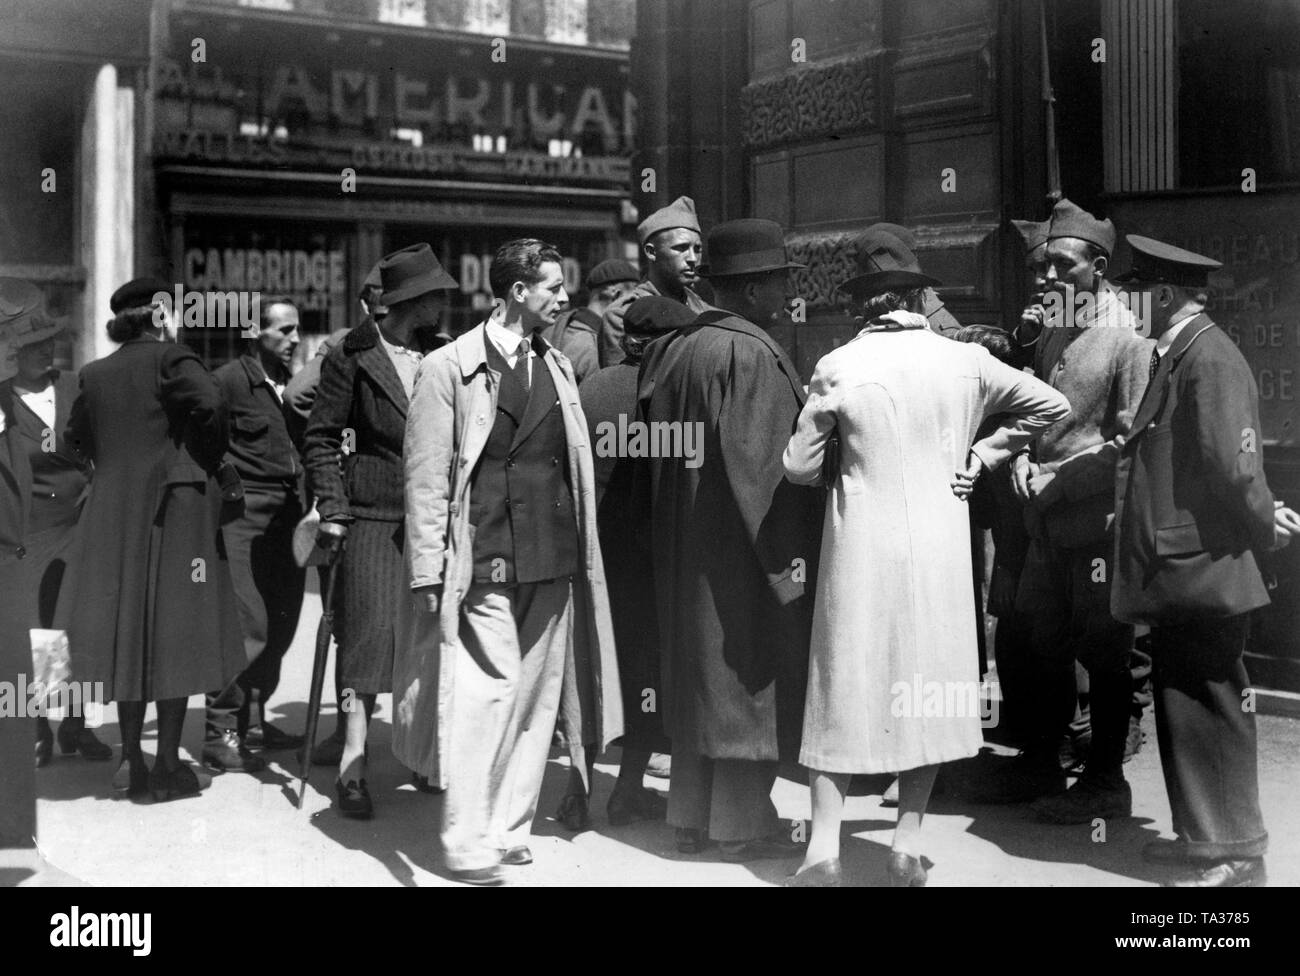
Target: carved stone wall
(830,263)
(813,102)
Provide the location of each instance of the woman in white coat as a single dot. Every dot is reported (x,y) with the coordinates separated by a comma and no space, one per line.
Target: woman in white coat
(893,681)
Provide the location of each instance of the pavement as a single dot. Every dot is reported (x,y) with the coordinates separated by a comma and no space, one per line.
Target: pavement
(246,829)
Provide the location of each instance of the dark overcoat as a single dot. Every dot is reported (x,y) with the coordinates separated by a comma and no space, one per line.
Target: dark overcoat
(1192,507)
(735,545)
(153,614)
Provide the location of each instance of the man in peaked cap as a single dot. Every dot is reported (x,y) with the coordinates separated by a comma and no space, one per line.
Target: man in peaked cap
(1097,359)
(734,546)
(576,332)
(1193,515)
(670,242)
(886,247)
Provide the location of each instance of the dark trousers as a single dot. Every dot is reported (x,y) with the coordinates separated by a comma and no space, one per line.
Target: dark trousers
(1067,594)
(729,799)
(1206,733)
(268,589)
(18,795)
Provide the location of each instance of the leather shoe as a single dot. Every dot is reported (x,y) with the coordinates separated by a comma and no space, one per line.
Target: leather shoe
(180,782)
(690,840)
(354,799)
(266,736)
(229,754)
(629,806)
(78,738)
(132,776)
(422,784)
(1167,852)
(762,848)
(485,877)
(1245,873)
(905,871)
(517,856)
(823,874)
(573,813)
(44,746)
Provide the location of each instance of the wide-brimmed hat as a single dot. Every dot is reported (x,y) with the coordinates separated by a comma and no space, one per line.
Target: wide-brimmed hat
(412,272)
(23,319)
(745,247)
(885,263)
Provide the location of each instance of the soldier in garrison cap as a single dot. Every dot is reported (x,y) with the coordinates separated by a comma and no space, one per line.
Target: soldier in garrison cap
(670,242)
(1193,514)
(1098,360)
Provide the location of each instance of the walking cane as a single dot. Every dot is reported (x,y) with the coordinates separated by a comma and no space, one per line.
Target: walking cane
(323,634)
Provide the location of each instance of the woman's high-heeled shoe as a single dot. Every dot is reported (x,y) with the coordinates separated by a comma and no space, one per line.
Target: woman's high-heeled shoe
(132,776)
(180,782)
(906,871)
(823,874)
(44,744)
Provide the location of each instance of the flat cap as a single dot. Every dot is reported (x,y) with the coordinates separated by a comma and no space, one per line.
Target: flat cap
(1157,262)
(1071,220)
(608,272)
(655,315)
(138,293)
(679,213)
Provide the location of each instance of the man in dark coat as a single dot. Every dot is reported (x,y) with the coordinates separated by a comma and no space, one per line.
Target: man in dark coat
(609,400)
(1193,513)
(670,242)
(735,547)
(268,582)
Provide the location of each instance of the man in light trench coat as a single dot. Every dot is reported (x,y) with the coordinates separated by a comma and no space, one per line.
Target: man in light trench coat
(504,557)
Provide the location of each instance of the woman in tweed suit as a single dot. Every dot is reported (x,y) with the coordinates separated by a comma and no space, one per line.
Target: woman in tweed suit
(353,455)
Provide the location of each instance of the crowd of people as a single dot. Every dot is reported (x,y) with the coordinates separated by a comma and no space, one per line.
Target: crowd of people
(765,600)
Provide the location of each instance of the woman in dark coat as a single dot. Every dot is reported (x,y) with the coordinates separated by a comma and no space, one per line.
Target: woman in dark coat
(153,616)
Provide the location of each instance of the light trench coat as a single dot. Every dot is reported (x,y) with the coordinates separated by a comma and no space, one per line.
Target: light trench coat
(452,411)
(893,677)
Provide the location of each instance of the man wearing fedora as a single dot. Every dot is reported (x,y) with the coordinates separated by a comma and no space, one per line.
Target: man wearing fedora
(1193,515)
(259,541)
(889,247)
(505,559)
(1092,352)
(670,241)
(42,482)
(735,548)
(353,456)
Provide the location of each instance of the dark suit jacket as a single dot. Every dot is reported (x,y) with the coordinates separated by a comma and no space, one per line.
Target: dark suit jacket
(1192,507)
(360,392)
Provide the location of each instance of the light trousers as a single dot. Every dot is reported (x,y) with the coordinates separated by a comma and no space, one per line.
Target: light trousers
(508,678)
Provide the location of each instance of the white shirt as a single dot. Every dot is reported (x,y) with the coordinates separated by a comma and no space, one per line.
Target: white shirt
(41,404)
(1167,340)
(507,344)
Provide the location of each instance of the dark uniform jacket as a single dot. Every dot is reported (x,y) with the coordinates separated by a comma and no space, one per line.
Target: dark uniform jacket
(1192,507)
